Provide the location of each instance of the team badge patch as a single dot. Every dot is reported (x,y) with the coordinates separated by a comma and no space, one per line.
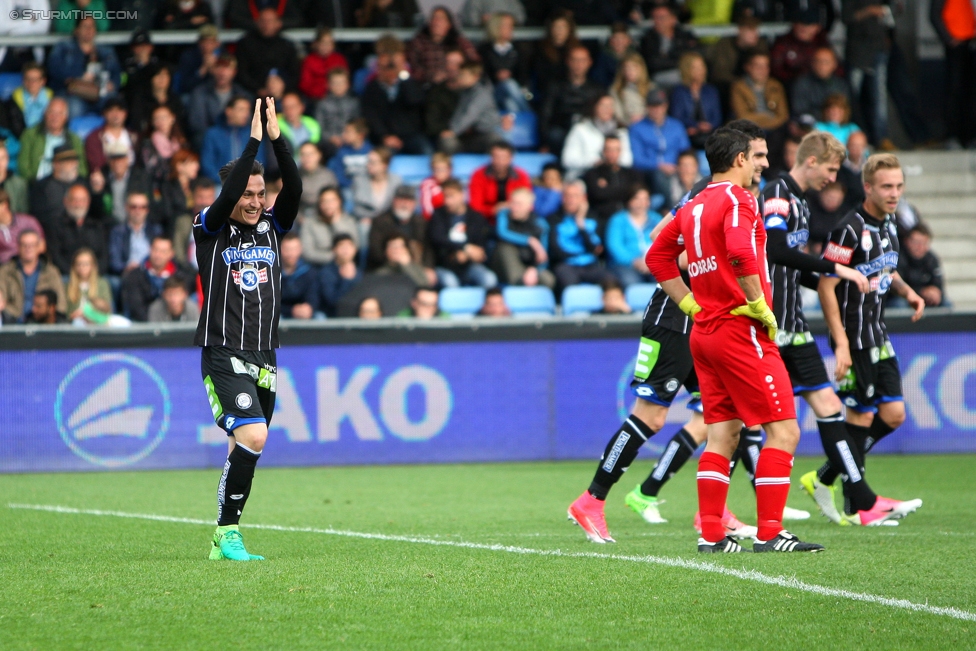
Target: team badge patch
(262,227)
(672,385)
(250,277)
(867,242)
(243,400)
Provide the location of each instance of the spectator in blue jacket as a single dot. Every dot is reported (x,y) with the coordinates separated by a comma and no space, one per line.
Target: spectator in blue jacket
(299,282)
(84,72)
(574,245)
(549,191)
(695,103)
(226,140)
(520,256)
(129,242)
(340,275)
(629,237)
(656,142)
(350,160)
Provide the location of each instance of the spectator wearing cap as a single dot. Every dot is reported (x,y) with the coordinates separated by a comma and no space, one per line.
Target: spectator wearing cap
(475,121)
(299,282)
(38,143)
(113,134)
(263,53)
(955,22)
(567,101)
(656,141)
(196,64)
(792,53)
(330,221)
(209,99)
(186,14)
(226,140)
(47,194)
(608,184)
(812,89)
(26,274)
(144,284)
(119,181)
(242,14)
(85,73)
(78,227)
(129,241)
(32,96)
(663,44)
(321,60)
(139,65)
(727,56)
(174,305)
(401,219)
(340,275)
(11,226)
(491,185)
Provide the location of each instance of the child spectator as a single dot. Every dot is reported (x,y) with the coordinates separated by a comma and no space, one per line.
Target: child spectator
(629,237)
(920,268)
(314,177)
(32,96)
(837,118)
(89,295)
(160,145)
(549,191)
(521,257)
(334,111)
(318,65)
(297,127)
(340,275)
(431,196)
(350,160)
(506,65)
(475,121)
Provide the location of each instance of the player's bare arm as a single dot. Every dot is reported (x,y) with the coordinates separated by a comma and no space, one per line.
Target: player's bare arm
(831,311)
(916,302)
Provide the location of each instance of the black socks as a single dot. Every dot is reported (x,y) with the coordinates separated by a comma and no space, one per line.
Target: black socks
(843,445)
(620,453)
(235,484)
(677,452)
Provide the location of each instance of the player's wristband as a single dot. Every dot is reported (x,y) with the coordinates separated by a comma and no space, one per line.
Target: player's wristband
(689,305)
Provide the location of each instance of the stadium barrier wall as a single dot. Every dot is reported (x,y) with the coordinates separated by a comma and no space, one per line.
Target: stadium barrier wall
(409,393)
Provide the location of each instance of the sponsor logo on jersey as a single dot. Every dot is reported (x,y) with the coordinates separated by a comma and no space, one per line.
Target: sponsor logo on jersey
(776,206)
(797,239)
(775,223)
(249,277)
(837,253)
(257,254)
(886,262)
(703,266)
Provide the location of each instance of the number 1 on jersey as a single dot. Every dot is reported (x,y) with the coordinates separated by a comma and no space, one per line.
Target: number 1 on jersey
(697,213)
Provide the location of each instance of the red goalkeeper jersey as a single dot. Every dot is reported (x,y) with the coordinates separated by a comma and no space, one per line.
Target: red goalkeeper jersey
(725,239)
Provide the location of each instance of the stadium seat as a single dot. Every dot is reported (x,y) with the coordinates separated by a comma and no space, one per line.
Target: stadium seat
(412,169)
(461,302)
(638,295)
(703,167)
(530,301)
(8,84)
(85,124)
(466,164)
(582,299)
(532,162)
(525,131)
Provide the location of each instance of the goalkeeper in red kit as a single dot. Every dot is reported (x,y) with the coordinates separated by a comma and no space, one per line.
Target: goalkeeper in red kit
(742,376)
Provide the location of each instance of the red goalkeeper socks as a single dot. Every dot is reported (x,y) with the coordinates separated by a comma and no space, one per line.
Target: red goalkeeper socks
(772,488)
(713,489)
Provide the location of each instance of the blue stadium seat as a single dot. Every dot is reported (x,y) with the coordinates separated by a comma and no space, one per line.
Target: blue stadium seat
(703,167)
(8,84)
(638,295)
(412,169)
(525,131)
(461,302)
(466,164)
(85,124)
(532,162)
(582,299)
(530,301)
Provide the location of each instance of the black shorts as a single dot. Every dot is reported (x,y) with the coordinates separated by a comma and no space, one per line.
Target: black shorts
(240,384)
(874,378)
(664,364)
(806,367)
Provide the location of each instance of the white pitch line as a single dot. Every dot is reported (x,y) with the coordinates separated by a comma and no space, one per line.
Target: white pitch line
(746,575)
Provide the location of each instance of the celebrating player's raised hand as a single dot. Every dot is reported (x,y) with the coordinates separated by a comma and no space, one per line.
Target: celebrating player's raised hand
(256,131)
(273,130)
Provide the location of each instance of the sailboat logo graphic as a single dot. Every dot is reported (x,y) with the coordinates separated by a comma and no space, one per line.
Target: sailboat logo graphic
(112,409)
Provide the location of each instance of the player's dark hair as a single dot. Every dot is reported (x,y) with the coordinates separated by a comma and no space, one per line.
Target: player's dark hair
(49,294)
(723,147)
(748,127)
(257,169)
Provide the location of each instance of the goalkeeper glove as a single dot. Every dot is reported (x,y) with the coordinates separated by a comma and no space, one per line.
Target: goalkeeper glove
(689,305)
(759,311)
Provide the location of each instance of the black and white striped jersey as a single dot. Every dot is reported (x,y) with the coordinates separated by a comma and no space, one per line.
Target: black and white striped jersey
(870,246)
(240,264)
(662,311)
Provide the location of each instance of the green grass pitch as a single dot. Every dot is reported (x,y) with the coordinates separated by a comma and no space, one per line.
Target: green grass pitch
(86,581)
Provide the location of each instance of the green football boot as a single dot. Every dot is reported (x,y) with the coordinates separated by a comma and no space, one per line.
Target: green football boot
(228,543)
(645,506)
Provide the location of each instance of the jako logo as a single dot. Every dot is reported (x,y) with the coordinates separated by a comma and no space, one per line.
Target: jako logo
(112,410)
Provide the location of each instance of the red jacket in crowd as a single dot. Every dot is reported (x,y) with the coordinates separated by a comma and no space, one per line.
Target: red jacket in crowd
(314,80)
(483,189)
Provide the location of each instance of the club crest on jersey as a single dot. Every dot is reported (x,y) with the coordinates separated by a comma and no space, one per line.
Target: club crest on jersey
(867,242)
(249,277)
(262,227)
(257,254)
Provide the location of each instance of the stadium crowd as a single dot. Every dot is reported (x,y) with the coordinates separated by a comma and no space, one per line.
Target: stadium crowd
(106,154)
